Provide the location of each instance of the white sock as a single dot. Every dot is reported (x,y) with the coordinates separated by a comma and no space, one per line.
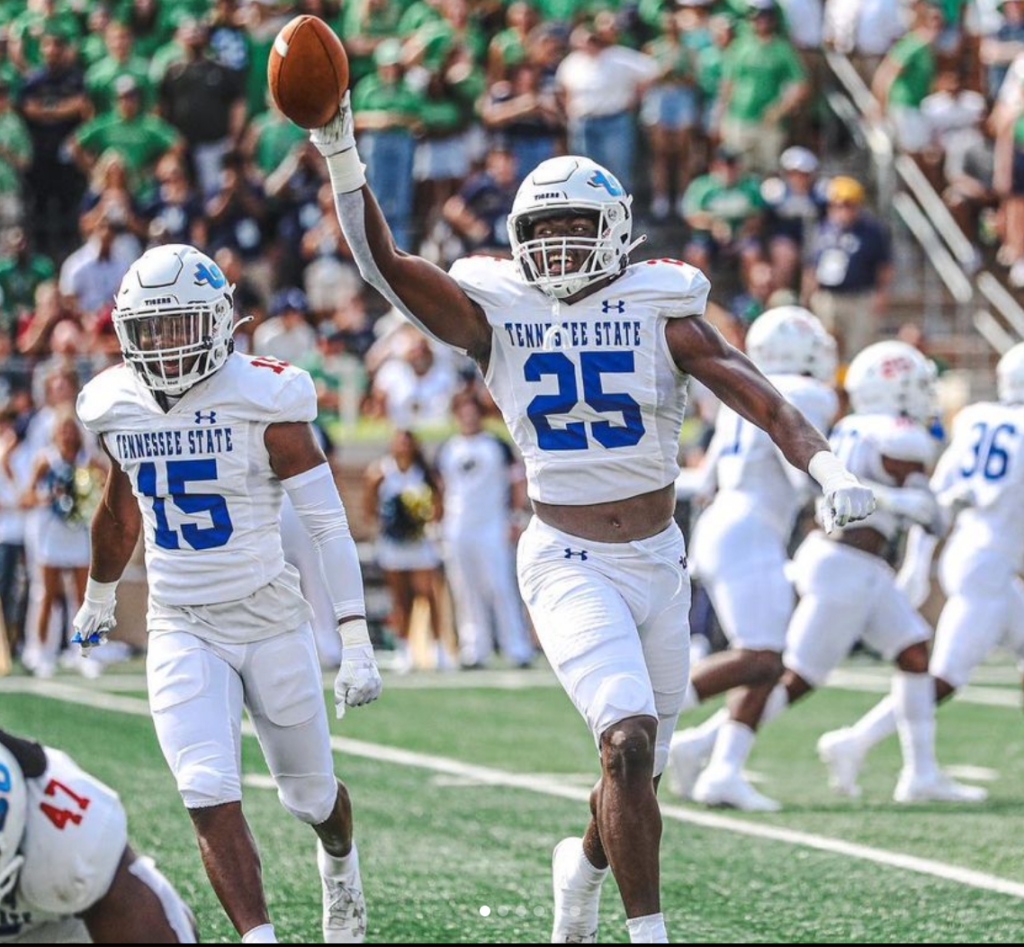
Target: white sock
(691,699)
(735,741)
(777,702)
(587,875)
(707,733)
(878,724)
(340,869)
(261,935)
(913,698)
(648,930)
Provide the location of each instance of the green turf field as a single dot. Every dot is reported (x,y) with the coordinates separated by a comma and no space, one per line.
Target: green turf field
(438,843)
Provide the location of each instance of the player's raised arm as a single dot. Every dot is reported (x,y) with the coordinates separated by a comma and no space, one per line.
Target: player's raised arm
(427,295)
(306,476)
(115,533)
(701,351)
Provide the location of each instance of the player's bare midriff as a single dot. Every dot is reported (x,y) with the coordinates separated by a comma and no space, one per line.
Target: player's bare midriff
(624,521)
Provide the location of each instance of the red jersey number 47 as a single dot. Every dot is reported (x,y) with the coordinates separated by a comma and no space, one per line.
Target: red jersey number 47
(62,817)
(274,364)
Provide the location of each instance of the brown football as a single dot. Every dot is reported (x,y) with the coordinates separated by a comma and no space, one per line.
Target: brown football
(308,71)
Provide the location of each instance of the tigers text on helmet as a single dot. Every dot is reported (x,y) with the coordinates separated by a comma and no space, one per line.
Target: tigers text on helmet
(570,187)
(174,316)
(790,340)
(1011,376)
(893,378)
(13,816)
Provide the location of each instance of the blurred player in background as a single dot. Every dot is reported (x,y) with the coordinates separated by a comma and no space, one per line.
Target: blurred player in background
(740,552)
(589,360)
(980,480)
(204,444)
(484,485)
(67,872)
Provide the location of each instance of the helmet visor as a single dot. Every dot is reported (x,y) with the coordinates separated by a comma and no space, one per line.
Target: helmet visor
(169,348)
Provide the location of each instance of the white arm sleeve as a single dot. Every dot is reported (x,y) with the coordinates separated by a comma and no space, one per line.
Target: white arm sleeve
(319,507)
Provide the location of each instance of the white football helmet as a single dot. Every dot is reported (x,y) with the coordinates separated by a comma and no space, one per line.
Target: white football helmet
(564,187)
(13,816)
(1011,376)
(893,378)
(174,316)
(790,340)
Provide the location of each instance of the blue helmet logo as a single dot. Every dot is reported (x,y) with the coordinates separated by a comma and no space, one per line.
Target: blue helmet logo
(601,179)
(210,274)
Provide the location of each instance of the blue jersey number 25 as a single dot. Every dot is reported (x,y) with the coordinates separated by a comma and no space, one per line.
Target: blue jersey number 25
(179,474)
(574,435)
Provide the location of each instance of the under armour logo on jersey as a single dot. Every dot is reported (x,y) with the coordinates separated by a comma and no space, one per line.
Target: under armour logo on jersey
(582,555)
(608,182)
(208,418)
(609,306)
(210,274)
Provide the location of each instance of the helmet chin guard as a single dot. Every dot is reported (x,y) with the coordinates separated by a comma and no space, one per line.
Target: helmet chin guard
(571,187)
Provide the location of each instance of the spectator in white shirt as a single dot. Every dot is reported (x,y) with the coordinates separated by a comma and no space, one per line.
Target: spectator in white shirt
(602,84)
(415,390)
(90,277)
(863,29)
(287,335)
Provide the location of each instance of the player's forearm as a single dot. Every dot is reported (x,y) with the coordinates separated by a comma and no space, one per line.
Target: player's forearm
(113,543)
(798,439)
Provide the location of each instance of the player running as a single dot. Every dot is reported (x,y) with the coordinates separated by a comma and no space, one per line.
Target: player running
(588,359)
(740,552)
(204,444)
(981,477)
(67,872)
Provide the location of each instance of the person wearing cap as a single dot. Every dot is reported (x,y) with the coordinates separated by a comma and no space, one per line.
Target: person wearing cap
(725,212)
(140,139)
(119,61)
(764,84)
(905,79)
(387,112)
(851,269)
(797,202)
(15,158)
(287,334)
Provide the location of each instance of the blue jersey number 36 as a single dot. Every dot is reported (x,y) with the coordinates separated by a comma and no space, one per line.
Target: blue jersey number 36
(180,473)
(594,365)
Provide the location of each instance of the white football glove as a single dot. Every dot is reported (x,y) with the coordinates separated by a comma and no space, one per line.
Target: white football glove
(95,619)
(845,503)
(359,682)
(339,134)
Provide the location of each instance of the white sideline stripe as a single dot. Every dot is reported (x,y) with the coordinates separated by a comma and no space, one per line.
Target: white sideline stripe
(545,785)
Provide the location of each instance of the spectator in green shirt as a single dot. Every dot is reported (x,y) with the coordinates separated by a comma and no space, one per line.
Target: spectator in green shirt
(94,46)
(119,61)
(419,14)
(41,17)
(148,26)
(386,111)
(141,140)
(764,84)
(509,47)
(725,211)
(21,272)
(365,24)
(905,79)
(711,72)
(270,138)
(433,43)
(15,157)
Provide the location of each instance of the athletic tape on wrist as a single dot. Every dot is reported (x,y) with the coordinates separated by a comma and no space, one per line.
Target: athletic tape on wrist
(347,172)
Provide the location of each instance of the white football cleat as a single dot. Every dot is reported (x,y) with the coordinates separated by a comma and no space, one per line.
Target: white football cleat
(725,789)
(687,758)
(344,904)
(843,758)
(936,788)
(577,900)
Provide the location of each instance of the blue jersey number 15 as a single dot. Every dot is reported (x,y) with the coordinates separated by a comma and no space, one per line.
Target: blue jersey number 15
(179,474)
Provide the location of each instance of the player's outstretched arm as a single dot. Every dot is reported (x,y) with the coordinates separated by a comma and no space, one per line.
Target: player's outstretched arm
(701,351)
(115,533)
(302,468)
(427,295)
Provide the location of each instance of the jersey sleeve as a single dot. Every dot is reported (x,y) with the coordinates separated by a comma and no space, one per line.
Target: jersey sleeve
(104,399)
(76,836)
(489,282)
(266,390)
(298,401)
(908,442)
(676,289)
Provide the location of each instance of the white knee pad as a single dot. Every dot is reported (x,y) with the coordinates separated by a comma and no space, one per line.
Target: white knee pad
(311,799)
(178,914)
(207,777)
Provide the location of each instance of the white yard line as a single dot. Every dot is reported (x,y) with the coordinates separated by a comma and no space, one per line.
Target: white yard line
(548,786)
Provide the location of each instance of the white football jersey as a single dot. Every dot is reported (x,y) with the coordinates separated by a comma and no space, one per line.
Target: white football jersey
(751,472)
(986,457)
(477,473)
(75,836)
(211,504)
(863,441)
(590,392)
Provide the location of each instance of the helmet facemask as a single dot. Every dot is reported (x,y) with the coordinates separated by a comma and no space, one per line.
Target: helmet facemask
(172,347)
(603,256)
